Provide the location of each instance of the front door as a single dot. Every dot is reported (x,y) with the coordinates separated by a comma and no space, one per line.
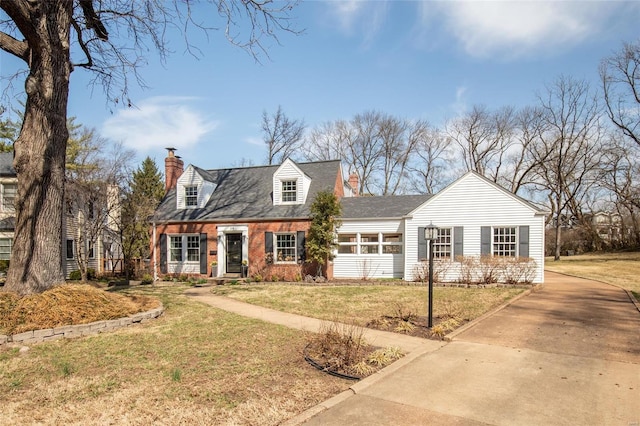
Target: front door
(234,253)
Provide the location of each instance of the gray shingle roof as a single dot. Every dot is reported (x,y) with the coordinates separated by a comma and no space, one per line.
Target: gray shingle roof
(246,194)
(6,164)
(379,207)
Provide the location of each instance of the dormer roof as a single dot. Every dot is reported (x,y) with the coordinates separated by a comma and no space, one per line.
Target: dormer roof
(246,193)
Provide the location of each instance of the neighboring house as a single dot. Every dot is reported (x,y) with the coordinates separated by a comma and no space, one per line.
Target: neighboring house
(100,254)
(607,224)
(8,189)
(261,215)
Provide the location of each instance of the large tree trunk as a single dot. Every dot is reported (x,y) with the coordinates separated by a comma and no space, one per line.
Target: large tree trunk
(36,260)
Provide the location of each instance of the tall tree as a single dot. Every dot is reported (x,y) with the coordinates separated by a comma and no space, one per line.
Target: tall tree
(282,135)
(325,219)
(620,76)
(145,193)
(432,161)
(568,154)
(40,33)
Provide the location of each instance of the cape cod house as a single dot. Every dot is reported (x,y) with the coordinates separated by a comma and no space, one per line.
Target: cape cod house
(211,222)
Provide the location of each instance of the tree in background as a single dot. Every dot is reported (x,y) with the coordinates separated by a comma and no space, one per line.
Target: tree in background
(146,190)
(8,132)
(569,152)
(282,135)
(325,219)
(96,175)
(620,76)
(46,35)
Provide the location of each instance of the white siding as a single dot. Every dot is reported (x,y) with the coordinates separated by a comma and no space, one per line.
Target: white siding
(286,172)
(472,202)
(378,265)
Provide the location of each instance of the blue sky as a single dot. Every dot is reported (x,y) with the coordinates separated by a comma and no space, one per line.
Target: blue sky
(417,60)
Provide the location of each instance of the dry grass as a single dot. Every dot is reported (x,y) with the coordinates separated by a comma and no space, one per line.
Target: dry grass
(362,304)
(193,365)
(621,269)
(64,305)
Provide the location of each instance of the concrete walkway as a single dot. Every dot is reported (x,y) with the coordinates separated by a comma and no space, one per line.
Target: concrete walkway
(566,354)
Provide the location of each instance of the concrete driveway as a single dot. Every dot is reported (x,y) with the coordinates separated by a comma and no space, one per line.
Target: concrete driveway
(568,354)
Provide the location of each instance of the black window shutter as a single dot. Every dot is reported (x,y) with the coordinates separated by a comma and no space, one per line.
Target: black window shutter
(485,240)
(163,253)
(422,244)
(301,246)
(523,241)
(203,253)
(268,242)
(458,242)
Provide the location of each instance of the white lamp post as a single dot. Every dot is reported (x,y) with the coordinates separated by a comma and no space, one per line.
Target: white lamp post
(430,234)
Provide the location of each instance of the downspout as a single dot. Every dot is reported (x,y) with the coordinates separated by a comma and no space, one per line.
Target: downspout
(155,259)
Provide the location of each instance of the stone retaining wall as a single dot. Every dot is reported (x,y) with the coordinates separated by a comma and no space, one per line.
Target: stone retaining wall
(71,331)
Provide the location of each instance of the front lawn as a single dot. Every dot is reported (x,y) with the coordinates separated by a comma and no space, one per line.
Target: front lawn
(368,305)
(621,268)
(193,365)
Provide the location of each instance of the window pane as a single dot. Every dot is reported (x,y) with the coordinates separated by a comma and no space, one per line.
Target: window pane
(5,248)
(286,247)
(442,244)
(175,251)
(289,190)
(504,242)
(392,249)
(69,249)
(368,249)
(193,248)
(9,196)
(191,196)
(347,249)
(392,238)
(347,238)
(369,238)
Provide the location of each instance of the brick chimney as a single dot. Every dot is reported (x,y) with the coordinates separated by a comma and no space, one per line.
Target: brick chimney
(173,168)
(354,183)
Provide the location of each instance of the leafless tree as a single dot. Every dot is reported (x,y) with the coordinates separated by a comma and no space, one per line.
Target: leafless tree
(110,38)
(432,161)
(568,154)
(484,138)
(620,77)
(282,135)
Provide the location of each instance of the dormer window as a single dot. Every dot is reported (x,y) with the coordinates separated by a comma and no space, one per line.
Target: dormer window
(289,191)
(191,195)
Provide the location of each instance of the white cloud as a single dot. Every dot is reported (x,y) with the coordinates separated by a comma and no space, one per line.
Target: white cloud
(362,17)
(517,28)
(459,106)
(159,122)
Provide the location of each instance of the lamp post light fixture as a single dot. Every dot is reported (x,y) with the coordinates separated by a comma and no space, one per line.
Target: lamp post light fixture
(430,234)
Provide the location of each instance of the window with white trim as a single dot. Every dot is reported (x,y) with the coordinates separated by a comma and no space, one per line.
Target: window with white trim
(505,241)
(289,192)
(184,248)
(442,248)
(285,248)
(191,196)
(5,248)
(347,244)
(9,197)
(369,244)
(392,243)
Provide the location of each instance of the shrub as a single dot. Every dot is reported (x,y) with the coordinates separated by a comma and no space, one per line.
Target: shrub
(75,275)
(146,279)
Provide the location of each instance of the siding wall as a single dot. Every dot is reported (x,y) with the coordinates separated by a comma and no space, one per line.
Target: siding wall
(472,203)
(289,171)
(189,177)
(370,265)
